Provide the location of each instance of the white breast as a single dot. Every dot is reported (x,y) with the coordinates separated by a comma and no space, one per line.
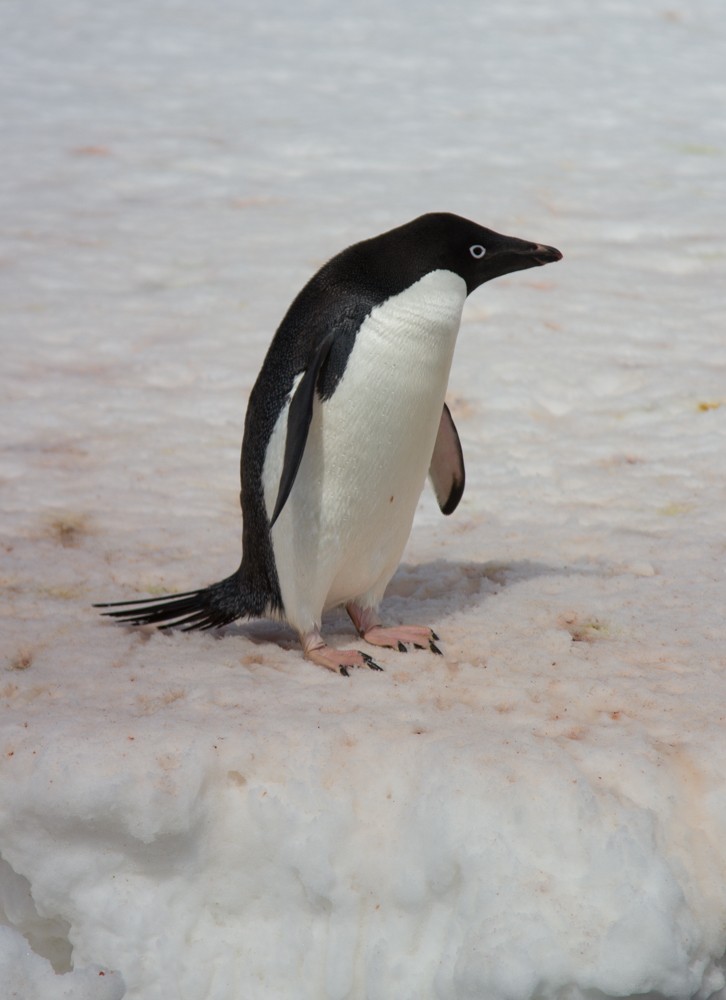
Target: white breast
(349,515)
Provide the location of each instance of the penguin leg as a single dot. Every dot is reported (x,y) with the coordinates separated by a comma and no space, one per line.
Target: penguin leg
(318,651)
(368,626)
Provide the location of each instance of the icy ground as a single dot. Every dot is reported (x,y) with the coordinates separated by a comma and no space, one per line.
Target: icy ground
(540,813)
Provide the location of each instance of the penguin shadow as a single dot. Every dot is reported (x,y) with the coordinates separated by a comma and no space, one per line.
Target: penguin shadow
(420,593)
(444,585)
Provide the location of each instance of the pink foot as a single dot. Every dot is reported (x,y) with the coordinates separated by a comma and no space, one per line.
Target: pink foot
(317,651)
(398,637)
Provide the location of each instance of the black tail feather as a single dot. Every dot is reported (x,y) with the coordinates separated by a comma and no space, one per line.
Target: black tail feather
(211,607)
(151,600)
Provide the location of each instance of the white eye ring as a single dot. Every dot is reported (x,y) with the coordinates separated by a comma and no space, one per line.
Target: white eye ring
(477,251)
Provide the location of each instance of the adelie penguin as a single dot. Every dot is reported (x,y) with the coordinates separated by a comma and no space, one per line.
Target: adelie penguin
(346,419)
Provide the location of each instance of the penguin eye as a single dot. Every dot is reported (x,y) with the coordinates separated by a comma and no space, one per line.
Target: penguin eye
(477,251)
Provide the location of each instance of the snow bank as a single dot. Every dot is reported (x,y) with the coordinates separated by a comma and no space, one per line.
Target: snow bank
(457,830)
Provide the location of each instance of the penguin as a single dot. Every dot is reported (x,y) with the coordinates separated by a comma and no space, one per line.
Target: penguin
(343,425)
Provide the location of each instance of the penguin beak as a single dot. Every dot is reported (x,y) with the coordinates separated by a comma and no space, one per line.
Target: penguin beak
(541,254)
(513,254)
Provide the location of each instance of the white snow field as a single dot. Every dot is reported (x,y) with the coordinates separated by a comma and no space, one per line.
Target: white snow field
(541,812)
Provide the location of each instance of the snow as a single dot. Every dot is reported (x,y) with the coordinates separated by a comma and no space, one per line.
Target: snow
(541,812)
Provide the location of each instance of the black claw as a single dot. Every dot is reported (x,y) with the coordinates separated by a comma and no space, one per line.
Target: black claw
(344,671)
(416,646)
(401,647)
(434,648)
(434,636)
(370,662)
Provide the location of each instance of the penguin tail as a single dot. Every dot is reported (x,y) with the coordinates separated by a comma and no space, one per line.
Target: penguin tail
(213,606)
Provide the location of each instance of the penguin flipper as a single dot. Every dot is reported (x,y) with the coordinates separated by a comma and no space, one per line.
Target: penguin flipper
(299,415)
(447,465)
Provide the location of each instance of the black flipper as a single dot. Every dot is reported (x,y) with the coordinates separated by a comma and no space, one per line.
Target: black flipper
(299,415)
(211,607)
(447,465)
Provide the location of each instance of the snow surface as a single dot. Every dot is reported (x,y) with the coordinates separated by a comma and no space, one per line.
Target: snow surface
(539,813)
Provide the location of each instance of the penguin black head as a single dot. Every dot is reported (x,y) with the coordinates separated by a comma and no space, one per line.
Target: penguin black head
(443,241)
(475,253)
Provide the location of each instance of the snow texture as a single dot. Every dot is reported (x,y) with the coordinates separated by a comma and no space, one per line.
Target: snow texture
(541,812)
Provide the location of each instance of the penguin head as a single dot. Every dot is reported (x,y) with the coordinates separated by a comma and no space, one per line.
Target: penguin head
(451,243)
(387,264)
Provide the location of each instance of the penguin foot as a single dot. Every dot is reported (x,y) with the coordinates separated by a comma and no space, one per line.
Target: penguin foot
(399,637)
(402,637)
(340,661)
